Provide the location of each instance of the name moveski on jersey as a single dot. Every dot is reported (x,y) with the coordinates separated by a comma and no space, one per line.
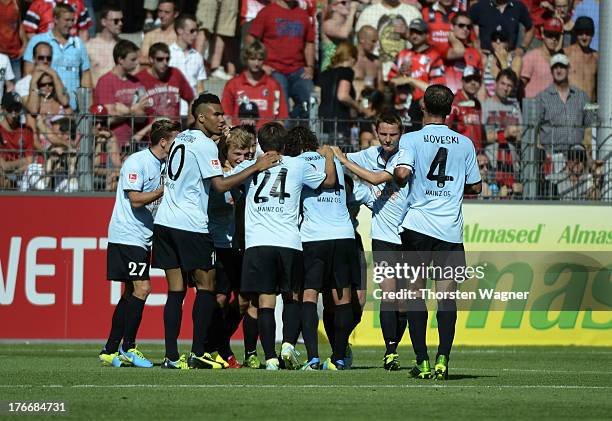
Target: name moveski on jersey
(442,140)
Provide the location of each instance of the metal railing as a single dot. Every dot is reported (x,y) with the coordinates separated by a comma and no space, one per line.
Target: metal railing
(72,155)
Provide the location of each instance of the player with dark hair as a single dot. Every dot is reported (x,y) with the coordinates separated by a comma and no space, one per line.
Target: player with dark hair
(443,167)
(129,242)
(183,246)
(387,212)
(328,240)
(273,259)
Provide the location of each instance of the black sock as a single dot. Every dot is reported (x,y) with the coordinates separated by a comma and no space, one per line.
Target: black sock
(267,331)
(173,313)
(310,323)
(133,316)
(344,323)
(447,318)
(292,318)
(402,322)
(388,325)
(231,320)
(117,327)
(202,314)
(417,326)
(250,332)
(328,323)
(357,313)
(214,339)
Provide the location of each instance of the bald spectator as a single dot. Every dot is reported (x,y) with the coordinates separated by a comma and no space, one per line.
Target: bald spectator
(561,111)
(391,18)
(535,73)
(583,59)
(368,70)
(184,57)
(40,18)
(167,12)
(458,54)
(288,35)
(100,48)
(494,15)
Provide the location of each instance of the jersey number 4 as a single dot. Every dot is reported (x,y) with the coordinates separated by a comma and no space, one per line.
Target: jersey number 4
(277,190)
(439,163)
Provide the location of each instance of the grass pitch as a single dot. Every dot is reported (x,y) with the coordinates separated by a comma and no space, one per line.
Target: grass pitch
(485,383)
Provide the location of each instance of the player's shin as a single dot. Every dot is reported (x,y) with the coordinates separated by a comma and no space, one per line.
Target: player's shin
(310,323)
(267,331)
(117,327)
(173,313)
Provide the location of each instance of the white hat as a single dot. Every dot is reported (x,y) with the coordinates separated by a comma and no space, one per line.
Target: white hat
(559,59)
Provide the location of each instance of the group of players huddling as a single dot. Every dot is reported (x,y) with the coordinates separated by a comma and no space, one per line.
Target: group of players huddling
(242,231)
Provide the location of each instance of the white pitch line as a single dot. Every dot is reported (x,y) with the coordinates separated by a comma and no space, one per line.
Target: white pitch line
(306,386)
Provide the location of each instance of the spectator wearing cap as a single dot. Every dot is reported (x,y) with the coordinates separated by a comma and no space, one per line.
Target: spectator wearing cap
(107,155)
(414,70)
(254,94)
(185,58)
(535,73)
(439,17)
(466,113)
(489,16)
(590,8)
(17,145)
(458,54)
(561,111)
(288,34)
(121,93)
(70,59)
(583,59)
(100,48)
(391,19)
(165,86)
(499,58)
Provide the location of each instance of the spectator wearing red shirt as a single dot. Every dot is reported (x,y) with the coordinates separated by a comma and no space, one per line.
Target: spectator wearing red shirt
(16,142)
(288,35)
(439,17)
(466,114)
(254,86)
(118,92)
(39,18)
(12,36)
(413,71)
(458,54)
(165,86)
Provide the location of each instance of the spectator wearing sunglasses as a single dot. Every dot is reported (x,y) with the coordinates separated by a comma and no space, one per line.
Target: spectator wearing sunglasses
(499,58)
(165,86)
(536,73)
(43,55)
(186,58)
(458,54)
(100,48)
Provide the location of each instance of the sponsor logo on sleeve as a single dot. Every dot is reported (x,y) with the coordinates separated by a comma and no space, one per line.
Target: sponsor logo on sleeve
(132,177)
(215,164)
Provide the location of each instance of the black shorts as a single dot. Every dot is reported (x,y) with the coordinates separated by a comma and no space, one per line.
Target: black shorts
(384,251)
(127,263)
(361,265)
(228,268)
(272,270)
(330,264)
(421,249)
(174,248)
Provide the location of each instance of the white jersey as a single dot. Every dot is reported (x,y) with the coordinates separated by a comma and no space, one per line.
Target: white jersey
(192,162)
(326,216)
(273,202)
(442,162)
(141,172)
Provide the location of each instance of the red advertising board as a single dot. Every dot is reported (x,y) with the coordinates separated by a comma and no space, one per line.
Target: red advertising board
(53,272)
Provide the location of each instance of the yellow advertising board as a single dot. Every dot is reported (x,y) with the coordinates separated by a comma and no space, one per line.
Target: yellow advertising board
(518,229)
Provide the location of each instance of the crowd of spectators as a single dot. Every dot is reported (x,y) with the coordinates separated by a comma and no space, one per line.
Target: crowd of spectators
(340,62)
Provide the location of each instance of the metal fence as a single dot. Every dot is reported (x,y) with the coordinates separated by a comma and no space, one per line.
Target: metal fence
(74,153)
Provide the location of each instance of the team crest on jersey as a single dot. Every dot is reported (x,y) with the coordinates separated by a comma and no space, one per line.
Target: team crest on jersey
(132,177)
(215,164)
(265,92)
